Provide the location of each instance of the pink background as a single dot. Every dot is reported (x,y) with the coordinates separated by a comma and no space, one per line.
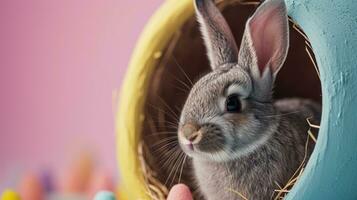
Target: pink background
(59,63)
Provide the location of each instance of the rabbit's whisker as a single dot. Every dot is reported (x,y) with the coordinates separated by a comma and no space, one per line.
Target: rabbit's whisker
(177,168)
(182,70)
(172,169)
(164,140)
(162,133)
(166,146)
(184,90)
(169,108)
(164,157)
(173,115)
(167,159)
(187,87)
(282,114)
(183,164)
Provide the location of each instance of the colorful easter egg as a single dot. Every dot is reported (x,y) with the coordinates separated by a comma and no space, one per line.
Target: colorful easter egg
(100,181)
(104,195)
(47,181)
(79,174)
(30,188)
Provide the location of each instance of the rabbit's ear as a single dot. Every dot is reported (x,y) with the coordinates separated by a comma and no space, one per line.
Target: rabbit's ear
(218,38)
(266,40)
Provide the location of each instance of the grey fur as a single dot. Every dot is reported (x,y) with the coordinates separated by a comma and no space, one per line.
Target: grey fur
(260,146)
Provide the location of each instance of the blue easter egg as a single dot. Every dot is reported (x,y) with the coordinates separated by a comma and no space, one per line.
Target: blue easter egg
(104,195)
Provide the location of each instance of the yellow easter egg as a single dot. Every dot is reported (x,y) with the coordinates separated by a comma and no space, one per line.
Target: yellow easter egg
(10,195)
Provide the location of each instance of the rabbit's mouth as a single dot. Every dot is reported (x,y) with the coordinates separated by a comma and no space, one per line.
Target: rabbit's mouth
(189,145)
(202,142)
(188,148)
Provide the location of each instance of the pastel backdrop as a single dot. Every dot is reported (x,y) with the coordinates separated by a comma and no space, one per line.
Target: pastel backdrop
(60,62)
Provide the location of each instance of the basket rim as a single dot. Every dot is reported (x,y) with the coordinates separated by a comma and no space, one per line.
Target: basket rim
(170,15)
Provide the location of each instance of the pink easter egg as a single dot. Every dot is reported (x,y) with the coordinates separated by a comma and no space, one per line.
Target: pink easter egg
(30,188)
(78,175)
(100,181)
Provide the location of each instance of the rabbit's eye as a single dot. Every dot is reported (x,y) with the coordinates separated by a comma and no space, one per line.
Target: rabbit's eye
(233,103)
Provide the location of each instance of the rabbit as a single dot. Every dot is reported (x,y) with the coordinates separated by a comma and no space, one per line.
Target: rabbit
(241,143)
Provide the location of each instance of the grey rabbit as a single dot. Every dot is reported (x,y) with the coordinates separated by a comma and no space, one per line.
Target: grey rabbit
(238,138)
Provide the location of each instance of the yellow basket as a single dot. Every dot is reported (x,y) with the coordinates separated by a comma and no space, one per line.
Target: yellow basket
(153,40)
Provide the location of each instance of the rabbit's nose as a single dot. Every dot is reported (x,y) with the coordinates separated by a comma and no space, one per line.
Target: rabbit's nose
(191,133)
